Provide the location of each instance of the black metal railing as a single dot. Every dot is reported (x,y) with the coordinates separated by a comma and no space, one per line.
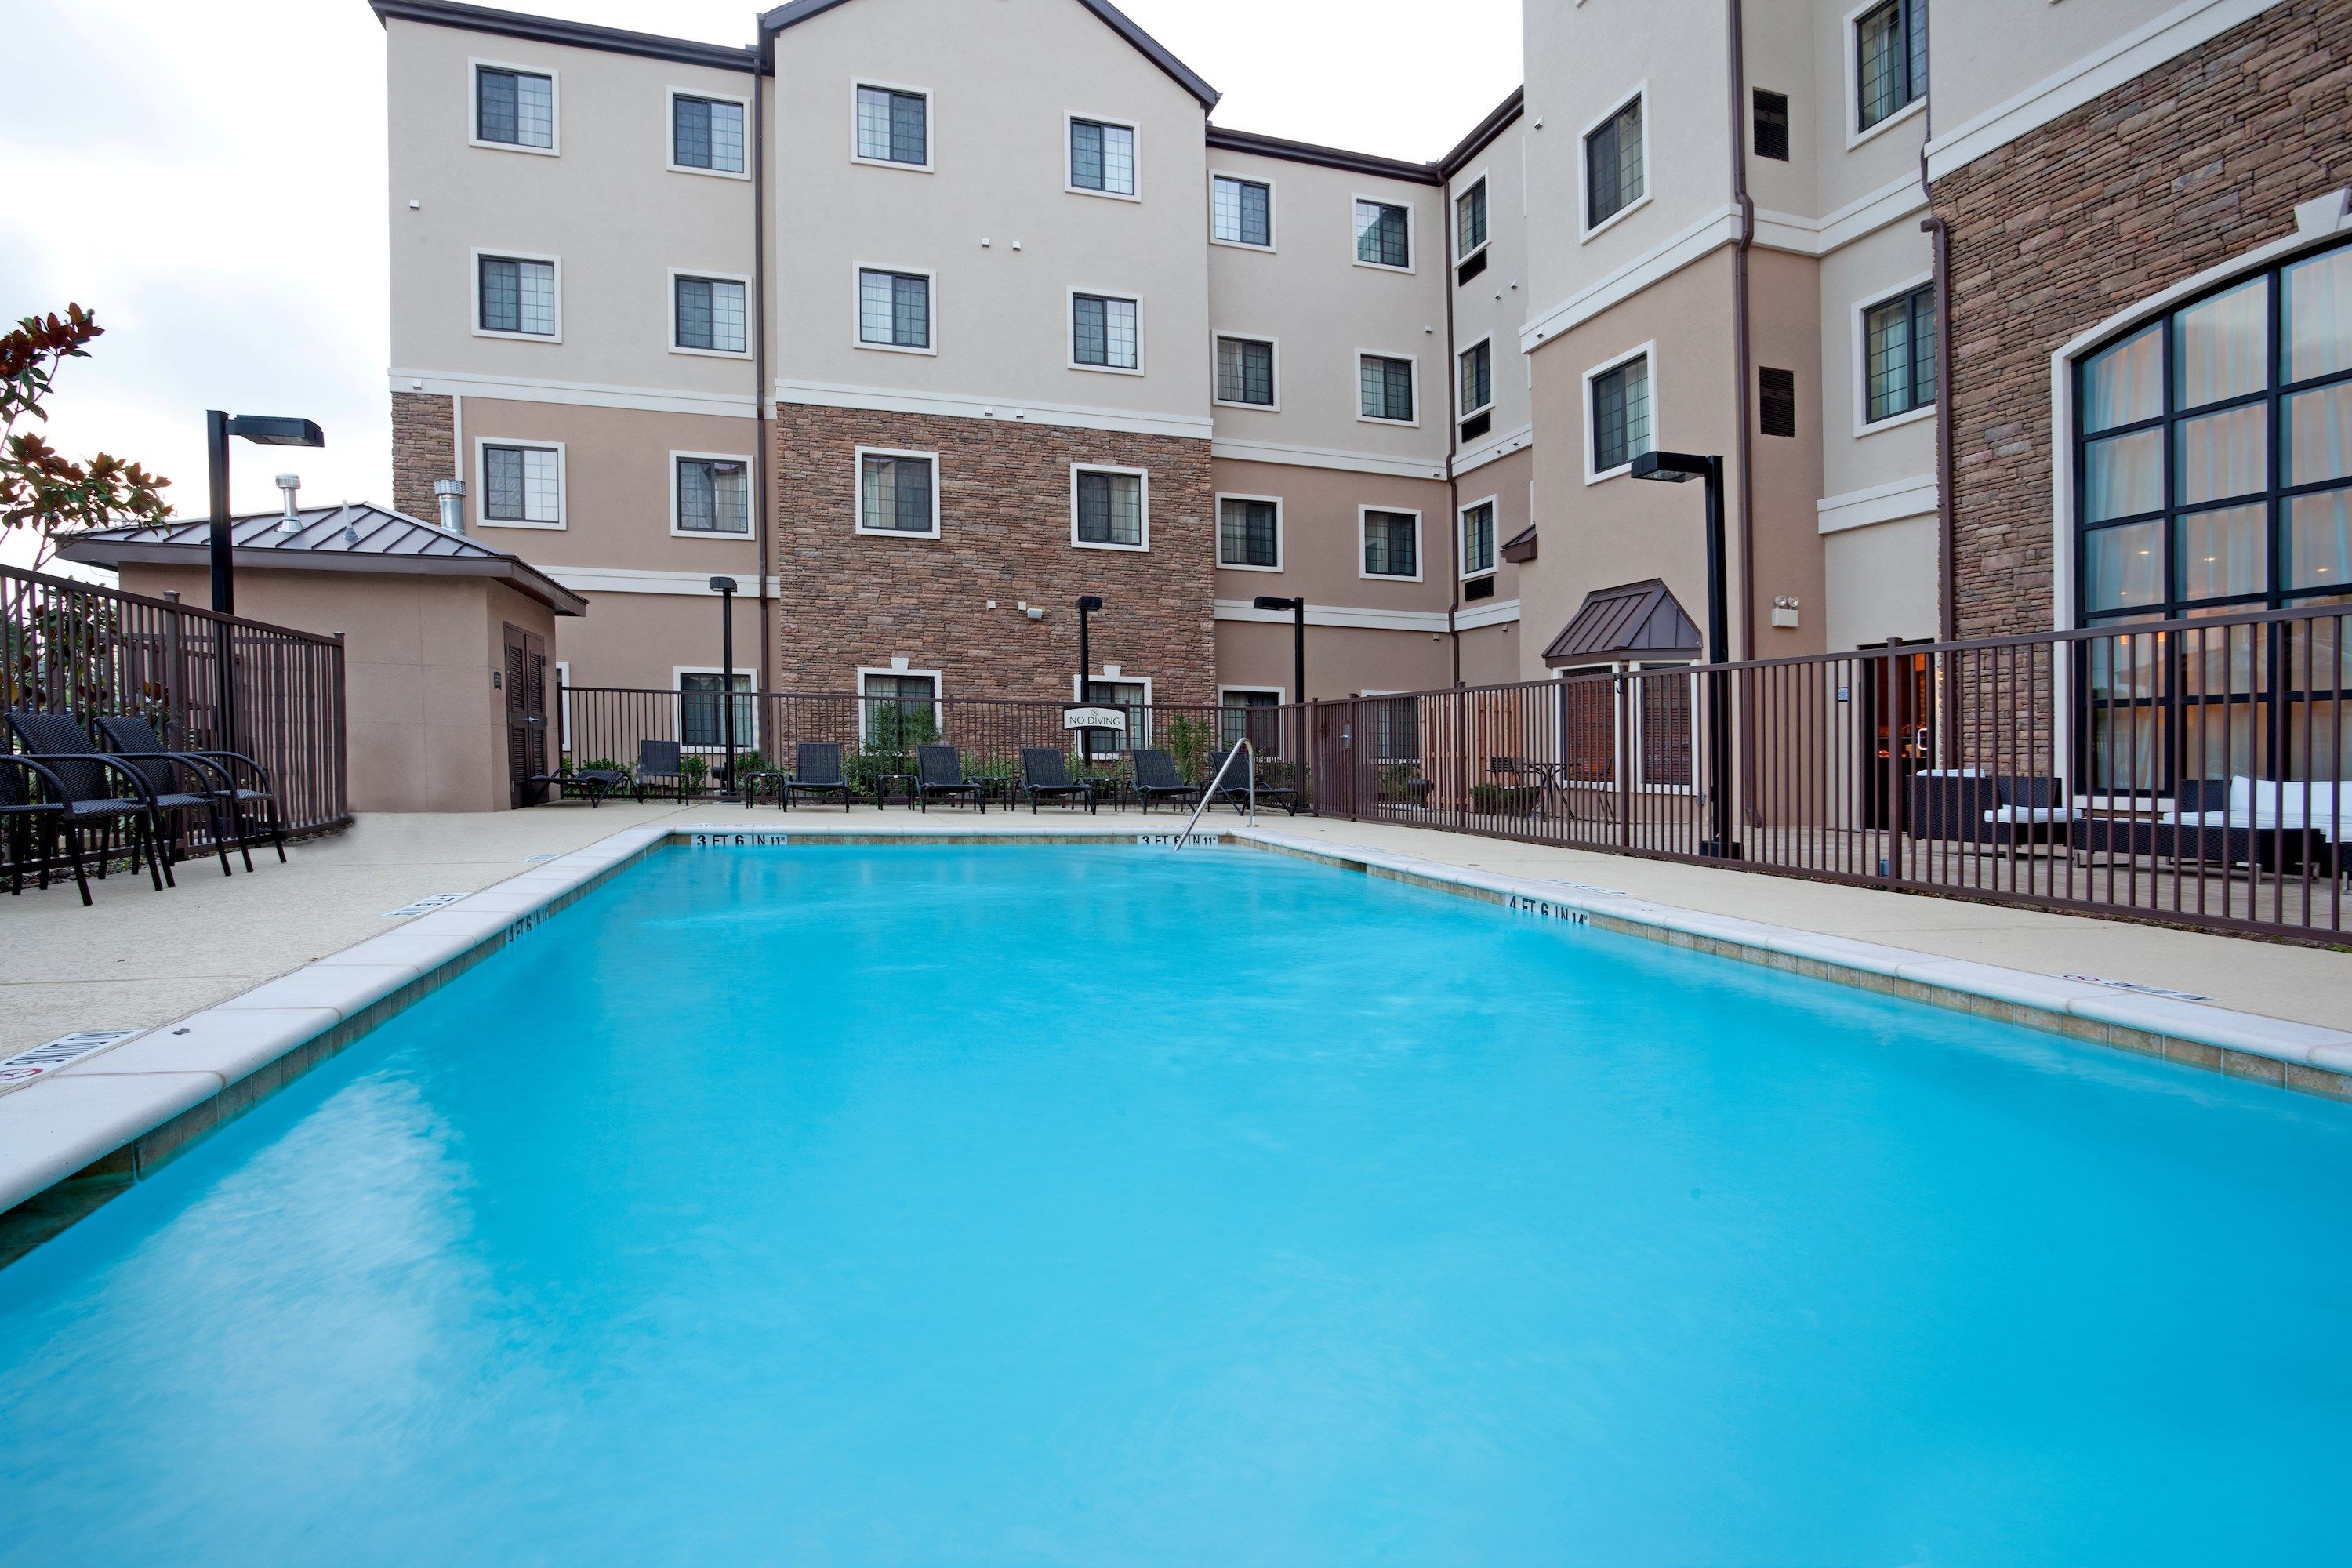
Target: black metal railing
(90,652)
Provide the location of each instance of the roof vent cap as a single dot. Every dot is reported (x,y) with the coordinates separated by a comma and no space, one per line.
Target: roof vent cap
(288,484)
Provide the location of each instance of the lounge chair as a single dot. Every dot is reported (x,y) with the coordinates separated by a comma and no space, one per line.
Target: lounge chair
(135,739)
(25,814)
(85,780)
(593,783)
(659,761)
(1235,791)
(1045,776)
(816,770)
(939,770)
(1156,779)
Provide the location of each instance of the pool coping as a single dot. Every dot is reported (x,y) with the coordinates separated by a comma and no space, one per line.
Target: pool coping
(74,1137)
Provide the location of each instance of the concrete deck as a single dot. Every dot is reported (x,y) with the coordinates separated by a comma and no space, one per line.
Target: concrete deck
(138,958)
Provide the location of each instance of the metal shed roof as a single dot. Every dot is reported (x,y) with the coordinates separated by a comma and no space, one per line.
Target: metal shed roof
(355,536)
(1633,621)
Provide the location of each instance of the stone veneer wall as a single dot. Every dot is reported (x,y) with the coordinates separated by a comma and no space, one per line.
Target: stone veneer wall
(850,601)
(423,430)
(2182,169)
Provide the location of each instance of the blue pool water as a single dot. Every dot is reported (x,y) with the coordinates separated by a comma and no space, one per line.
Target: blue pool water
(1101,1206)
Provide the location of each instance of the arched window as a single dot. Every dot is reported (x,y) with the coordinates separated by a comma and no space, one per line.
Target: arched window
(2213,451)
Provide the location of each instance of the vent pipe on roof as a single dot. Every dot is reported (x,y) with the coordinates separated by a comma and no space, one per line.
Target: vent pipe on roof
(292,521)
(450,495)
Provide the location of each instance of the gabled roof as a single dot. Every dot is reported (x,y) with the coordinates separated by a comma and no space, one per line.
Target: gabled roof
(1118,21)
(353,537)
(554,30)
(1636,621)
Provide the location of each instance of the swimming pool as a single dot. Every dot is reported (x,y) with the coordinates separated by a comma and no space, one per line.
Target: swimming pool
(1101,1205)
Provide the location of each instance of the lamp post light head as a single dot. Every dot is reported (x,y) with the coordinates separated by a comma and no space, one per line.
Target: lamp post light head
(1672,467)
(722,584)
(1275,602)
(272,430)
(1090,600)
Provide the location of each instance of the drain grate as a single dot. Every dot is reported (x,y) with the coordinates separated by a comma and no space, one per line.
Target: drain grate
(2136,989)
(423,906)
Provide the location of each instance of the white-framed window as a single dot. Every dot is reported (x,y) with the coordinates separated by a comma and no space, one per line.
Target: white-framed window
(1114,688)
(1105,332)
(1477,365)
(1249,533)
(894,311)
(709,313)
(1616,162)
(1102,157)
(1110,509)
(702,710)
(512,108)
(1886,57)
(519,484)
(1383,232)
(517,296)
(1894,357)
(707,134)
(1618,424)
(890,124)
(900,706)
(898,493)
(1388,544)
(1478,538)
(1241,212)
(1386,390)
(711,495)
(1470,220)
(1254,712)
(1245,371)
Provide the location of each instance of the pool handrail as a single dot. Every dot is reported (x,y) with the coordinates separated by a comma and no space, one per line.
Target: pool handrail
(1241,744)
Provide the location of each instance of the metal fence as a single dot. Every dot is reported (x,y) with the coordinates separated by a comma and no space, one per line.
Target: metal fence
(90,652)
(607,725)
(2191,772)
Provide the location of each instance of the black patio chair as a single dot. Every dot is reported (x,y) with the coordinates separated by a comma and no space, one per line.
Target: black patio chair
(816,770)
(135,740)
(25,812)
(1156,779)
(658,761)
(938,771)
(1235,791)
(87,783)
(592,785)
(1045,776)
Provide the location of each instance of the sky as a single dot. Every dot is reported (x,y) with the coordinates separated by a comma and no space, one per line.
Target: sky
(209,178)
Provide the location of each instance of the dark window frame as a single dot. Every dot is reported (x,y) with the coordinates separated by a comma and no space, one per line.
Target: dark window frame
(1273,398)
(1917,304)
(515,75)
(1410,532)
(1606,141)
(680,103)
(1266,188)
(1252,533)
(1388,363)
(1382,234)
(898,122)
(1776,401)
(1909,63)
(679,466)
(1770,125)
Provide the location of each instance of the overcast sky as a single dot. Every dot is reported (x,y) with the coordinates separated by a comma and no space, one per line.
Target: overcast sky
(208,178)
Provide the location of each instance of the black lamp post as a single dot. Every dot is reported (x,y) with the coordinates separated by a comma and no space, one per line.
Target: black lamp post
(1088,605)
(1297,608)
(725,588)
(1674,468)
(265,430)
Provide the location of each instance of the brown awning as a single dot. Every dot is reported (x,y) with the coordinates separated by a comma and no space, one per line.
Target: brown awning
(1520,548)
(1638,622)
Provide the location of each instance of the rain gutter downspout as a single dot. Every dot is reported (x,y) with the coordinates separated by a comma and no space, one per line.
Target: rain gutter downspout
(767,678)
(1452,445)
(1745,454)
(1939,236)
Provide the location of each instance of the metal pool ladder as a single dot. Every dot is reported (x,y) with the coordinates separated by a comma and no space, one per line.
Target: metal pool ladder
(1210,794)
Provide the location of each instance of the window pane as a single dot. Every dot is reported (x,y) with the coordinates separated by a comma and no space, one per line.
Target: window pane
(910,313)
(2122,475)
(1478,538)
(1103,331)
(713,497)
(691,132)
(727,137)
(1244,372)
(502,484)
(693,313)
(1613,165)
(1470,219)
(2319,540)
(1102,157)
(2123,567)
(1621,415)
(1246,534)
(1110,509)
(873,122)
(1242,211)
(2319,434)
(537,280)
(495,97)
(1118,160)
(911,132)
(2223,552)
(1381,235)
(897,494)
(702,715)
(1118,330)
(1389,545)
(2125,385)
(2319,315)
(1088,330)
(2222,348)
(535,111)
(2221,454)
(1899,354)
(1477,378)
(1387,387)
(501,292)
(1086,155)
(515,107)
(1891,60)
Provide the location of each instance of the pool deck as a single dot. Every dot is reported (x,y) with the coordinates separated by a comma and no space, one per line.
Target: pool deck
(275,970)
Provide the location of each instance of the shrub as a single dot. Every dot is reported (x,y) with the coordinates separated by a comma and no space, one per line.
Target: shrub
(1503,800)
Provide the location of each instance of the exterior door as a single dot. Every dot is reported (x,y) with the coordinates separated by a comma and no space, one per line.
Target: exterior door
(526,691)
(1895,739)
